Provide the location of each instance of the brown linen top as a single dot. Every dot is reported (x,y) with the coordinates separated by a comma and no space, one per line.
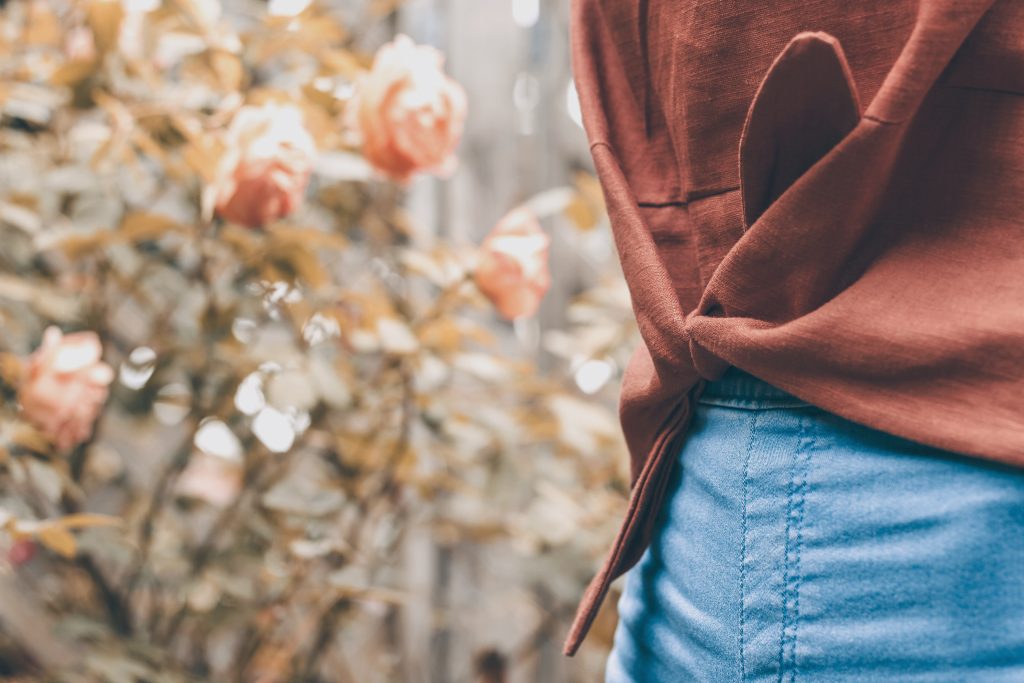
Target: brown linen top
(826,194)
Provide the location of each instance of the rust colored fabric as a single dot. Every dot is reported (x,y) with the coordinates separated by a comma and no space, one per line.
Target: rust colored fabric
(828,195)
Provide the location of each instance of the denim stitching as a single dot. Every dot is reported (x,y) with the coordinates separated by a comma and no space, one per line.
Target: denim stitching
(743,551)
(805,459)
(791,564)
(785,580)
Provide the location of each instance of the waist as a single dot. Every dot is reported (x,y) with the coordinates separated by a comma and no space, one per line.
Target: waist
(737,388)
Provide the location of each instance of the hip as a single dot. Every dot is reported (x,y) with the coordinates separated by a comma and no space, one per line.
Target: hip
(794,544)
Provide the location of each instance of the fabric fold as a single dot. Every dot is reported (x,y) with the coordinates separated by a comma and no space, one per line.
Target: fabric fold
(806,103)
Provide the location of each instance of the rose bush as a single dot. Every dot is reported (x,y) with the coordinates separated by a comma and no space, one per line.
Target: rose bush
(280,441)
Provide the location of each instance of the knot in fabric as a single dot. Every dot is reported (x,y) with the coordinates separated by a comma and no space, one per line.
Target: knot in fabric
(707,364)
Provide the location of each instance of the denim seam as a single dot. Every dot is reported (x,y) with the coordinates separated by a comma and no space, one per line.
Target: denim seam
(785,577)
(743,550)
(791,563)
(754,403)
(805,459)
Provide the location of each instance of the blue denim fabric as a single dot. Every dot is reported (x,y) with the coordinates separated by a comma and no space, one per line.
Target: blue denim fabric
(795,545)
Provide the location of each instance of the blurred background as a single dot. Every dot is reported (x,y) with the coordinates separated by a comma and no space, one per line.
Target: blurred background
(312,336)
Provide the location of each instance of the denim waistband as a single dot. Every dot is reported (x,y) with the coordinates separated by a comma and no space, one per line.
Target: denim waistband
(738,388)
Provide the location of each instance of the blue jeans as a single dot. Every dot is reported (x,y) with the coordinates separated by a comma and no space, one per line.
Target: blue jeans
(794,545)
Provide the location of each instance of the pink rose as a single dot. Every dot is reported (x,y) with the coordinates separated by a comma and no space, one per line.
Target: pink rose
(409,113)
(79,44)
(210,478)
(64,386)
(21,552)
(266,168)
(512,269)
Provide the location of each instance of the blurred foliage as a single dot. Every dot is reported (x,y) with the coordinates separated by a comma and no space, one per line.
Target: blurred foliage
(290,400)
